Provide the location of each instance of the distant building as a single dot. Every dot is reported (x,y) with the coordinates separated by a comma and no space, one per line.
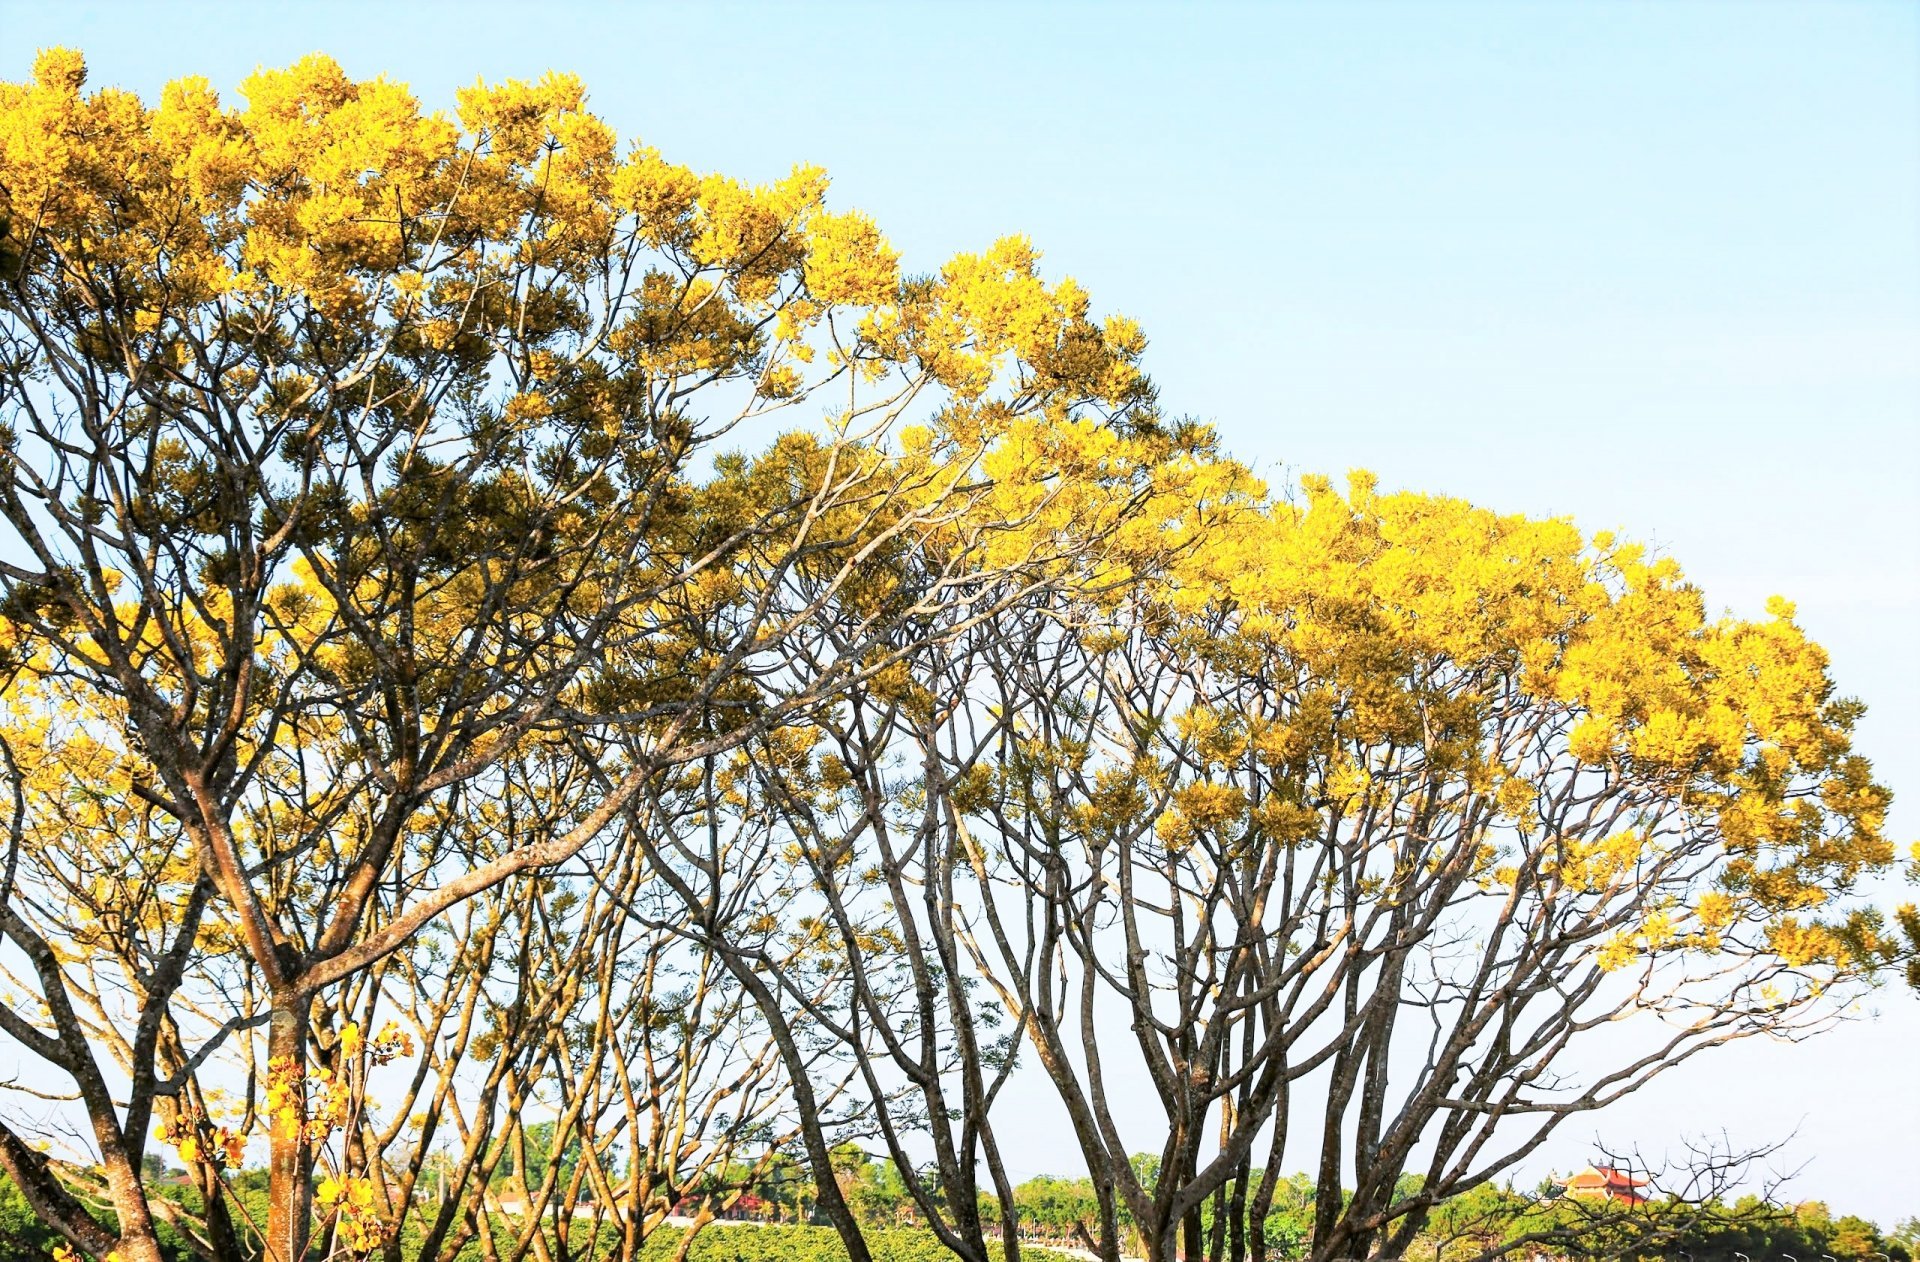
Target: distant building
(1605,1183)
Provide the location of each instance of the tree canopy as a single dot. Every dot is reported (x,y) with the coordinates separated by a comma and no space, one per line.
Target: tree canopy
(529,667)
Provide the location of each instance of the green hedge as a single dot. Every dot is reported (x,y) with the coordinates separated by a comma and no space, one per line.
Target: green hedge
(739,1243)
(24,1239)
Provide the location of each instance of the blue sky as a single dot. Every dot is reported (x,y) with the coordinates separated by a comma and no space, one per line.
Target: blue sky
(1653,266)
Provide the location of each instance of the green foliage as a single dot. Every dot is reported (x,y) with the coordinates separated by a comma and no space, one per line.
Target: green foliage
(539,1148)
(740,1243)
(22,1235)
(1061,1210)
(875,1191)
(1710,1231)
(24,1238)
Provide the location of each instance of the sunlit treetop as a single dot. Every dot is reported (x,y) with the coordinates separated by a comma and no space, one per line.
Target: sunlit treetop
(1519,654)
(377,341)
(518,226)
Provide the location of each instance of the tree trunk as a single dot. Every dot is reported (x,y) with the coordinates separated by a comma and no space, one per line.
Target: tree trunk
(32,1173)
(1237,1212)
(137,1243)
(1194,1241)
(289,1186)
(222,1239)
(819,1157)
(1262,1203)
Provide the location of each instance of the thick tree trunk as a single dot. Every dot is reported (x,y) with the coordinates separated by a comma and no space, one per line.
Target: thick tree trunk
(137,1243)
(289,1186)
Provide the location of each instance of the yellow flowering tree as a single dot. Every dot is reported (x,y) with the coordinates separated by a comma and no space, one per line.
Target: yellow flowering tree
(495,621)
(1403,824)
(354,451)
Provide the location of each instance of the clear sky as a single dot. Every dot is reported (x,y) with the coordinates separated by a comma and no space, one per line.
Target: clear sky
(1654,266)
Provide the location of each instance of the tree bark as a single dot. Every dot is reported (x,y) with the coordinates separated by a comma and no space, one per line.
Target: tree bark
(289,1187)
(32,1173)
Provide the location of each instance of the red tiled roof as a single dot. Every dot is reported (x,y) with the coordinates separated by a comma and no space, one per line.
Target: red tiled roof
(1606,1181)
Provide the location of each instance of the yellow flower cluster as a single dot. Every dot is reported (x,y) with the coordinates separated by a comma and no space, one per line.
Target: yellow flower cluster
(345,197)
(1420,623)
(198,1139)
(388,1045)
(351,1202)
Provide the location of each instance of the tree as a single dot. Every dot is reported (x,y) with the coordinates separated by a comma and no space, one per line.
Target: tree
(411,710)
(350,452)
(808,855)
(1410,798)
(879,1195)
